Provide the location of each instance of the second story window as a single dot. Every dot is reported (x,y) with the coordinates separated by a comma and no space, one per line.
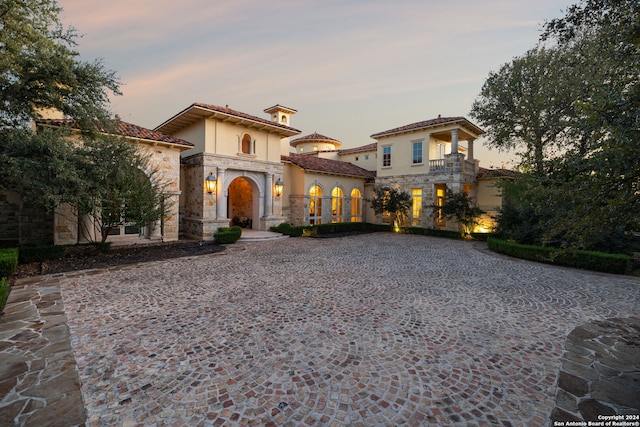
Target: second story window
(247,144)
(416,152)
(386,156)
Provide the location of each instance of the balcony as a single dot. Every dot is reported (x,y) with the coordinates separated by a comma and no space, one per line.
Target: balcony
(452,164)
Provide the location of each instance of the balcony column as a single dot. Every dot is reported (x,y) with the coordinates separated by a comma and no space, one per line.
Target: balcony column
(454,141)
(470,148)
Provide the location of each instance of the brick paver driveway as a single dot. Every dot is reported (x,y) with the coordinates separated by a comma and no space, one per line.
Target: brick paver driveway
(369,330)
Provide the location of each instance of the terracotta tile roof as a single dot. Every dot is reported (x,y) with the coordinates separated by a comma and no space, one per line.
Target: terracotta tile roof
(318,164)
(280,107)
(231,112)
(496,173)
(315,137)
(124,129)
(424,124)
(369,147)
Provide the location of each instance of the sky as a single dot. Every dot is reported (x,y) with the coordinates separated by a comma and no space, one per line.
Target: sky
(351,68)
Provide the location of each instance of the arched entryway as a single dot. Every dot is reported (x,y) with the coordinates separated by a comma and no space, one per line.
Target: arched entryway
(243,203)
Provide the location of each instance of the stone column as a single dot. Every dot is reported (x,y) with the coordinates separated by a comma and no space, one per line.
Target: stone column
(221,199)
(268,195)
(454,141)
(470,149)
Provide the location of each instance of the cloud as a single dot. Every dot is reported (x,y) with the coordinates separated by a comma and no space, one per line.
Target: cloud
(354,67)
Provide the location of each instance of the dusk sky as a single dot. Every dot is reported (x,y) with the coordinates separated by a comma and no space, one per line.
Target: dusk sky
(351,68)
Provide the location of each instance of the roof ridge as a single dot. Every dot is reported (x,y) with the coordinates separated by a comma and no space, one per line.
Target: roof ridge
(236,113)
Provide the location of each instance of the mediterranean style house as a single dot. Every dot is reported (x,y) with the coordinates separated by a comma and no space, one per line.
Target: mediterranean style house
(224,167)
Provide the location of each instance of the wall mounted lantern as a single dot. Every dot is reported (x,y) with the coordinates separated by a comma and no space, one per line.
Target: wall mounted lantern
(210,183)
(278,187)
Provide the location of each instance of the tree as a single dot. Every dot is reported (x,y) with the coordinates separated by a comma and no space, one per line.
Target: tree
(460,206)
(602,183)
(524,105)
(40,70)
(393,202)
(100,175)
(122,187)
(587,194)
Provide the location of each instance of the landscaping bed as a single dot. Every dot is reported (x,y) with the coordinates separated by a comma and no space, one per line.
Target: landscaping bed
(118,255)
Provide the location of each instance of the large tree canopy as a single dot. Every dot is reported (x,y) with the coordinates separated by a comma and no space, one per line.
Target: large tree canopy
(524,107)
(40,69)
(99,174)
(580,95)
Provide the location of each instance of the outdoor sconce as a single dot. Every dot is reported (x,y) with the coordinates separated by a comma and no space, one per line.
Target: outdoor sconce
(210,183)
(278,187)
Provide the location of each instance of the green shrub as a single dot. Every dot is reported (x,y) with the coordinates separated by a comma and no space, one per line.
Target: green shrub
(339,227)
(367,226)
(289,230)
(434,232)
(334,227)
(481,236)
(228,235)
(8,261)
(283,228)
(4,293)
(40,253)
(298,230)
(588,260)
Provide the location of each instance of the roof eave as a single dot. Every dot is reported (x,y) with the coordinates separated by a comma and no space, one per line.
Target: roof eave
(195,112)
(463,121)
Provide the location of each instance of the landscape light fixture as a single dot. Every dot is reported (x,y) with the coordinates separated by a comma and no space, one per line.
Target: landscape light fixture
(210,183)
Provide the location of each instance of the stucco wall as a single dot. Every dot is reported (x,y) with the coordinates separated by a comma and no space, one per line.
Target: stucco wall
(367,159)
(214,137)
(298,196)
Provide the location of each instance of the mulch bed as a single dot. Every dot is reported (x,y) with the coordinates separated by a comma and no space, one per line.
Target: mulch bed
(119,255)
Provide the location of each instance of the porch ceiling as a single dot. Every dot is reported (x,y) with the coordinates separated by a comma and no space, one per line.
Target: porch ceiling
(446,135)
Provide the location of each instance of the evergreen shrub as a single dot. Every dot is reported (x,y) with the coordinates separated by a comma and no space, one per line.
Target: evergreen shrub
(4,293)
(434,232)
(588,260)
(8,261)
(228,234)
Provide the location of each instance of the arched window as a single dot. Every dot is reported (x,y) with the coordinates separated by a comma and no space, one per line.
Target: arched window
(336,204)
(356,205)
(247,145)
(315,205)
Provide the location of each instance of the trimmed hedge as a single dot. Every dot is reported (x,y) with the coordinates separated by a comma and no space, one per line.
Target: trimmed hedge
(289,230)
(340,227)
(588,260)
(331,228)
(481,236)
(434,232)
(228,234)
(4,293)
(8,261)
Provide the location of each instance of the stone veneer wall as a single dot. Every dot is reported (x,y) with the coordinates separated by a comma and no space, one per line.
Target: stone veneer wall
(166,160)
(427,184)
(600,373)
(199,210)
